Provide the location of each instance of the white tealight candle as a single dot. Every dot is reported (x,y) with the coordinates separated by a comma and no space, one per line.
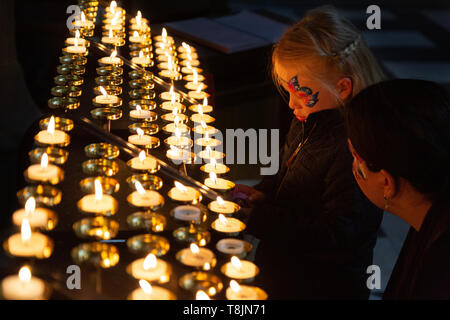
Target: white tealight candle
(231,246)
(43,172)
(98,203)
(23,286)
(205,129)
(240,269)
(171,127)
(186,48)
(170,106)
(208,153)
(141,139)
(151,269)
(183,193)
(169,73)
(136,38)
(189,56)
(199,117)
(52,136)
(170,95)
(194,86)
(76,49)
(83,23)
(140,114)
(80,41)
(193,63)
(227,225)
(178,154)
(195,256)
(241,292)
(198,95)
(223,206)
(208,142)
(218,183)
(112,59)
(149,292)
(218,168)
(187,213)
(27,243)
(144,163)
(141,59)
(205,108)
(145,198)
(37,217)
(180,142)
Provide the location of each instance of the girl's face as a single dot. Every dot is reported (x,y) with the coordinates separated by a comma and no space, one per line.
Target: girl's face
(306,95)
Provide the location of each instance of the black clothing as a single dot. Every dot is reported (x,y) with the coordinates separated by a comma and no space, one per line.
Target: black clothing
(422,270)
(317,229)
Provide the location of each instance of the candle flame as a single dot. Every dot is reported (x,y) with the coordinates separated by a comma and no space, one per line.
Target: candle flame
(188,55)
(44,161)
(172,98)
(194,248)
(103,91)
(164,34)
(140,132)
(25,230)
(201,295)
(83,18)
(235,286)
(200,110)
(110,34)
(176,120)
(188,65)
(213,161)
(98,190)
(195,76)
(145,286)
(177,131)
(223,219)
(180,186)
(112,6)
(207,266)
(171,90)
(209,151)
(205,101)
(142,156)
(30,205)
(236,262)
(138,108)
(141,54)
(113,54)
(75,42)
(51,126)
(139,188)
(25,274)
(203,124)
(206,136)
(200,87)
(77,34)
(138,18)
(150,261)
(136,34)
(220,201)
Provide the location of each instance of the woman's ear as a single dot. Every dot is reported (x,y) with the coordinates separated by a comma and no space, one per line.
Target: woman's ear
(390,186)
(345,87)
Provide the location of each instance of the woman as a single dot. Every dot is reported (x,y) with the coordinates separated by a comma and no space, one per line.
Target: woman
(399,133)
(316,230)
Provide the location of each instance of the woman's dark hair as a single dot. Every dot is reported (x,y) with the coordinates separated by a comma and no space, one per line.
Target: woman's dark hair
(403,127)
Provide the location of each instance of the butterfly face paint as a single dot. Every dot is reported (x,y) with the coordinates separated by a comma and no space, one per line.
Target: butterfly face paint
(303,92)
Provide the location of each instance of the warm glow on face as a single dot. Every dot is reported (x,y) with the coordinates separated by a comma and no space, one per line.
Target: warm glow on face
(140,132)
(235,286)
(236,262)
(139,188)
(51,126)
(220,201)
(150,261)
(222,219)
(194,248)
(30,205)
(25,274)
(103,91)
(145,286)
(200,87)
(25,230)
(98,190)
(142,156)
(201,295)
(113,54)
(180,186)
(44,161)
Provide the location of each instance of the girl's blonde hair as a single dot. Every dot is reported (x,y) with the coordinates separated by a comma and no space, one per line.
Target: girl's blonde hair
(333,48)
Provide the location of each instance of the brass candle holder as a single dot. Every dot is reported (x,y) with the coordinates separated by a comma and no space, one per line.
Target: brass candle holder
(101,150)
(109,185)
(106,115)
(109,81)
(144,244)
(99,228)
(142,94)
(68,80)
(148,128)
(189,214)
(102,167)
(63,124)
(110,90)
(193,234)
(229,247)
(148,181)
(200,280)
(111,71)
(201,259)
(147,220)
(142,83)
(144,104)
(55,155)
(73,59)
(43,194)
(66,91)
(65,103)
(140,74)
(102,255)
(71,69)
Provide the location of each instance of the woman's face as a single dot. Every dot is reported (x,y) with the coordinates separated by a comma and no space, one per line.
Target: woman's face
(370,183)
(306,95)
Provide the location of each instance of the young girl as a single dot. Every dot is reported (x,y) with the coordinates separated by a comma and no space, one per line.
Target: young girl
(316,230)
(400,137)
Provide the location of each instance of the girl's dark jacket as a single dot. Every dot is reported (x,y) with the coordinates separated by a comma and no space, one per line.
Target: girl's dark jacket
(317,229)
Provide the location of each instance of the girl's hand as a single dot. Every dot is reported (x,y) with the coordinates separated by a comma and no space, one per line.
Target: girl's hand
(249,195)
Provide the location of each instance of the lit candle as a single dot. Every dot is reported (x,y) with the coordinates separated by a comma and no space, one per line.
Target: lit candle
(187,213)
(197,257)
(183,193)
(145,198)
(23,286)
(149,292)
(204,107)
(238,292)
(213,166)
(185,48)
(227,225)
(151,269)
(106,98)
(142,60)
(37,217)
(111,39)
(140,114)
(136,38)
(83,23)
(202,295)
(111,60)
(206,141)
(141,139)
(139,24)
(223,207)
(76,48)
(52,136)
(170,95)
(98,203)
(44,172)
(231,246)
(80,41)
(173,105)
(174,114)
(208,154)
(203,128)
(199,117)
(240,269)
(189,56)
(142,162)
(178,141)
(164,37)
(188,69)
(198,94)
(29,244)
(195,84)
(171,127)
(178,154)
(218,183)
